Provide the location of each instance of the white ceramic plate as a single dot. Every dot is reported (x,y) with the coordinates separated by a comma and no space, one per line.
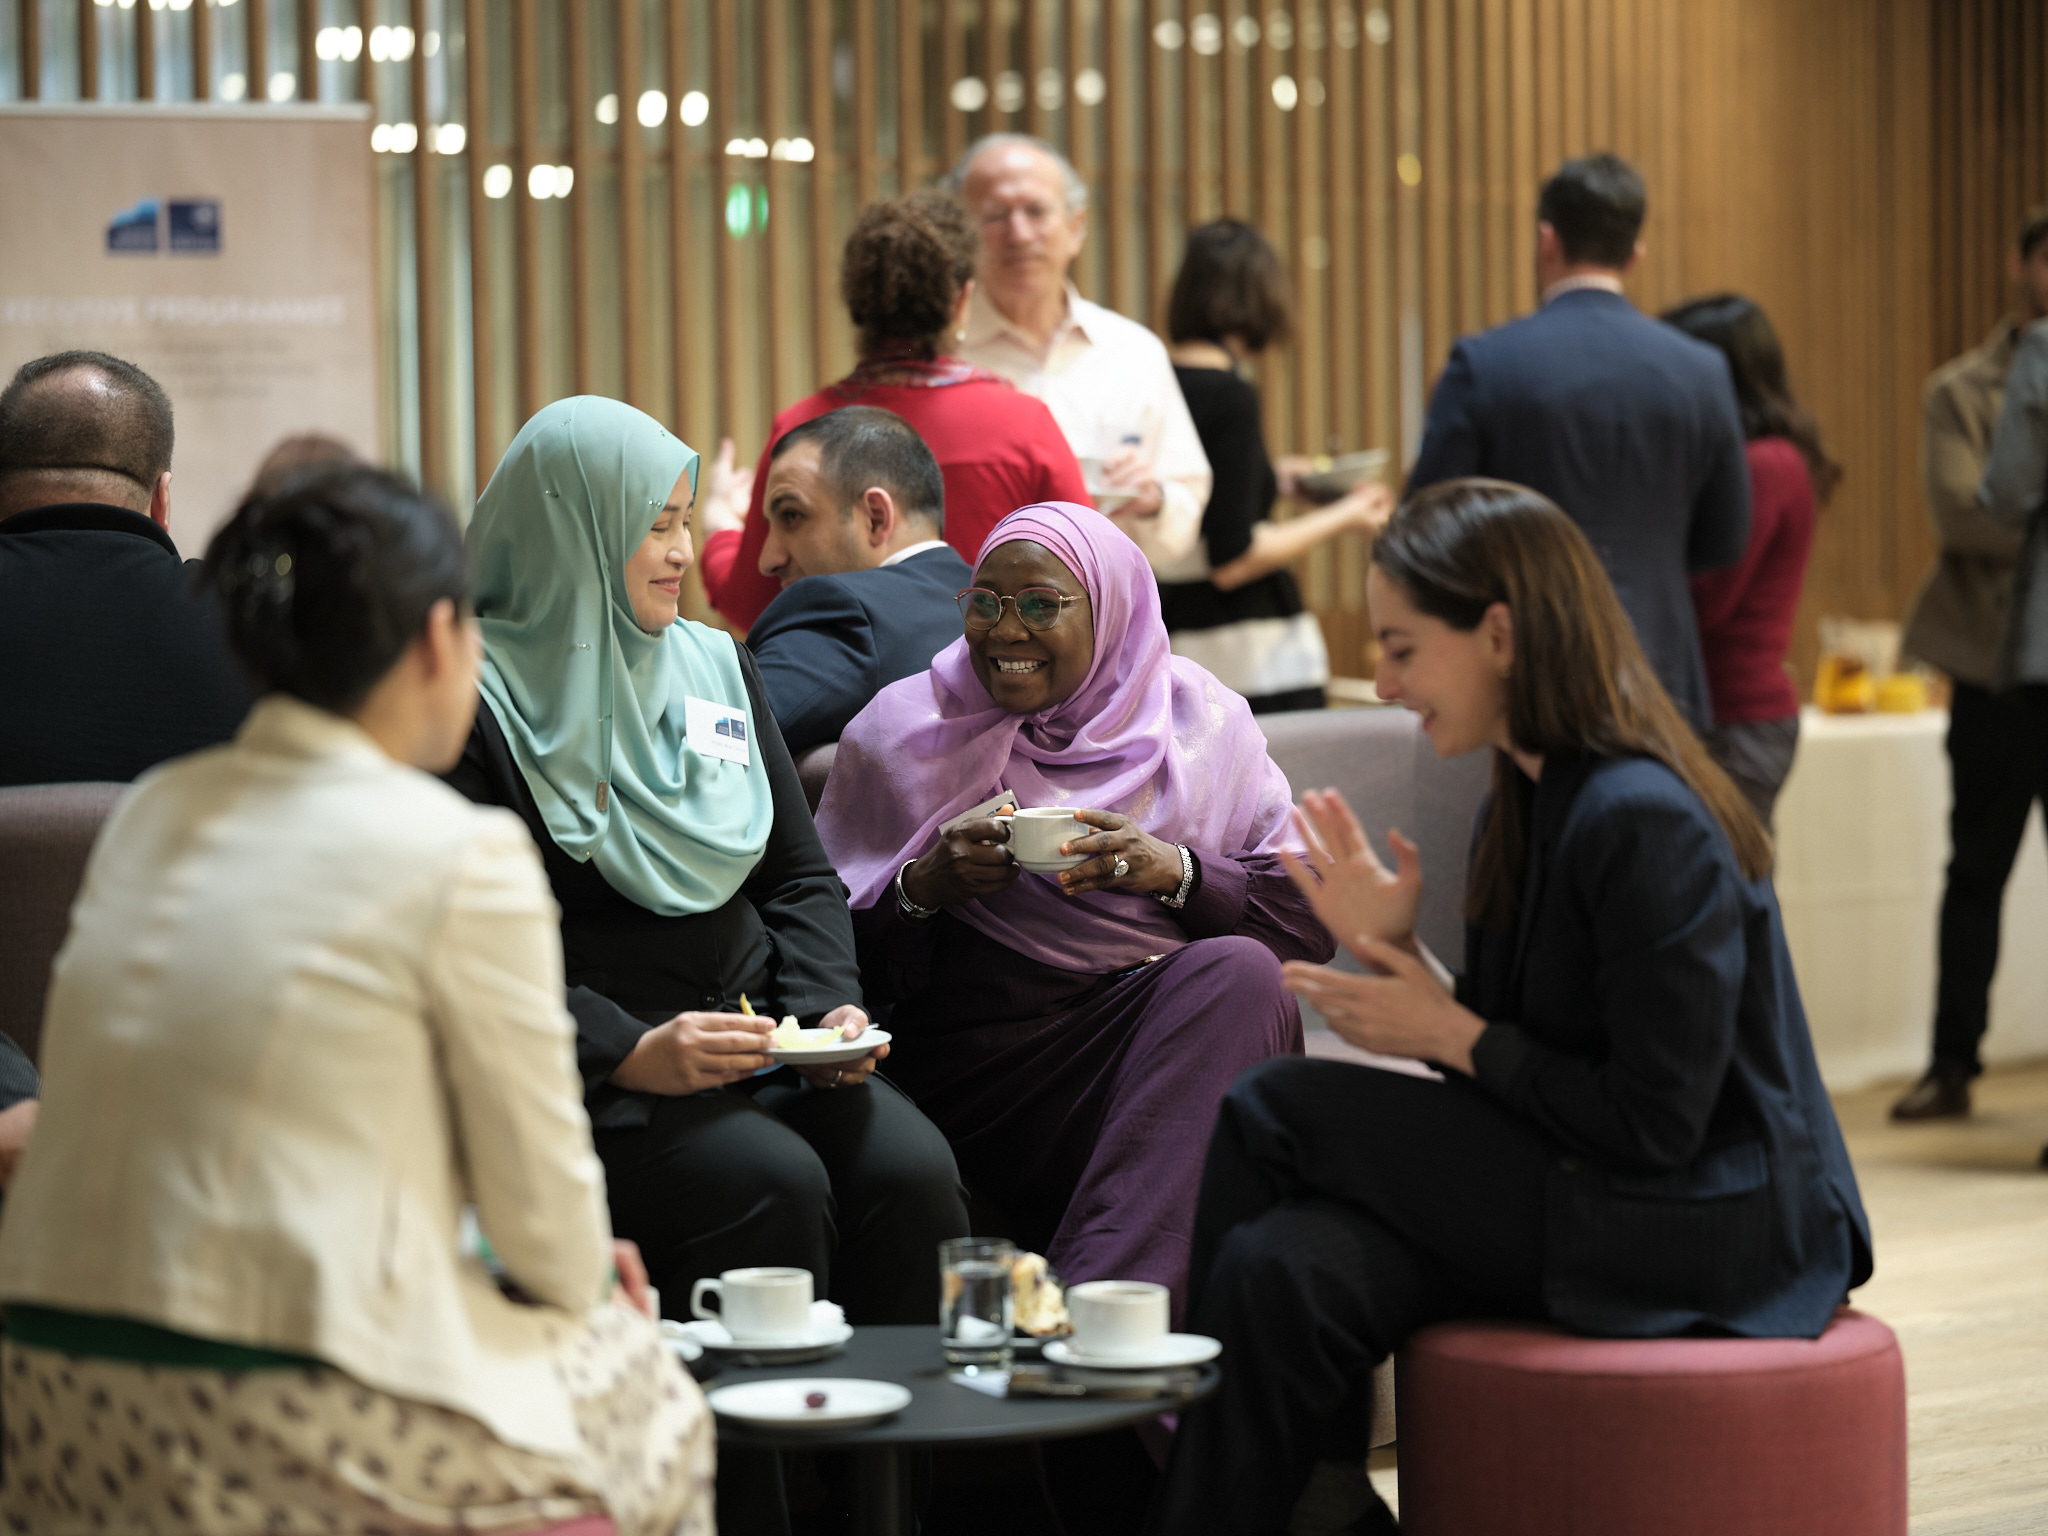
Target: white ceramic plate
(710,1334)
(1174,1349)
(833,1055)
(849,1402)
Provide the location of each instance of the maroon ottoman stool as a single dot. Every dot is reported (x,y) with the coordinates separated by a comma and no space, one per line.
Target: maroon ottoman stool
(1516,1429)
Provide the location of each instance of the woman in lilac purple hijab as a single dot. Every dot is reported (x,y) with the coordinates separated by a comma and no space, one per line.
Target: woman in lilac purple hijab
(1072,1034)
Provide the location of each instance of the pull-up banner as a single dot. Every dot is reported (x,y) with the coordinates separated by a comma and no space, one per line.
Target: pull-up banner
(227,251)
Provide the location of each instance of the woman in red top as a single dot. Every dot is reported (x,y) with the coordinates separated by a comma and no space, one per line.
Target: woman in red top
(906,277)
(1745,612)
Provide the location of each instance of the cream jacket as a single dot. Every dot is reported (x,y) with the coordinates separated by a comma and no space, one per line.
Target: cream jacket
(311,1003)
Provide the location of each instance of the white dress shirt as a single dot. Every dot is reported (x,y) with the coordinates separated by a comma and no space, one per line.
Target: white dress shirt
(1604,282)
(1109,384)
(311,1003)
(908,550)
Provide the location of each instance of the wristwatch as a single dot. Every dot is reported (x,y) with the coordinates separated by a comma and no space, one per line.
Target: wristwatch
(911,911)
(1177,900)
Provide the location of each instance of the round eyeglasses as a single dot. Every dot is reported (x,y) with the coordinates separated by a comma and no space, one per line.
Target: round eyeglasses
(1038,607)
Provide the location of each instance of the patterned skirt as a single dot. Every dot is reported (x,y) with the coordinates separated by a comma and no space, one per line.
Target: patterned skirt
(120,1449)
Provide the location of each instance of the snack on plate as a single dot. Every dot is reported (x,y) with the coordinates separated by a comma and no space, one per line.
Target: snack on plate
(1038,1300)
(788,1037)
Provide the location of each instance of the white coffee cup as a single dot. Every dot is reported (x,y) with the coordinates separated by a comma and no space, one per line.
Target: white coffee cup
(761,1305)
(1036,835)
(1118,1318)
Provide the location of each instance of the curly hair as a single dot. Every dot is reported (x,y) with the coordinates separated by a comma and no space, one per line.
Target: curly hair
(904,266)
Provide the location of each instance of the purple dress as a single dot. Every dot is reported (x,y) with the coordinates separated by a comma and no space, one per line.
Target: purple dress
(1074,1049)
(1081,1105)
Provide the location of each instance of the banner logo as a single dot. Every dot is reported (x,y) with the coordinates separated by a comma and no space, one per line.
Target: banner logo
(132,231)
(195,226)
(192,225)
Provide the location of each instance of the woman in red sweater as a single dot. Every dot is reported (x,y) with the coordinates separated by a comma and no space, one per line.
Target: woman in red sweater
(906,277)
(1745,612)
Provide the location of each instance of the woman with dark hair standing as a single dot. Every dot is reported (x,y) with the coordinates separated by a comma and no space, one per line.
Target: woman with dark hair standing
(309,1009)
(1242,619)
(1626,1132)
(906,276)
(1746,611)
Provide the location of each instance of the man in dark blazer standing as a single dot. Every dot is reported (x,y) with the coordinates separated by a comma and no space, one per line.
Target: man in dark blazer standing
(856,509)
(1623,421)
(114,660)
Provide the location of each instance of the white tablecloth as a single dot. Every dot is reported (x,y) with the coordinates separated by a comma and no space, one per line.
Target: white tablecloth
(1862,849)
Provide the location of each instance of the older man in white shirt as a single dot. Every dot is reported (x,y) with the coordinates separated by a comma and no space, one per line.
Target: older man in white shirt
(1107,380)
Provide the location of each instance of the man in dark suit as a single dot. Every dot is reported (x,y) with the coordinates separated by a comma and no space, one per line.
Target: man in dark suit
(114,661)
(855,512)
(1623,421)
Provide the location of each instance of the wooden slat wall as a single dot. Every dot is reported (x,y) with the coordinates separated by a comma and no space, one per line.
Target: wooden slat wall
(1391,150)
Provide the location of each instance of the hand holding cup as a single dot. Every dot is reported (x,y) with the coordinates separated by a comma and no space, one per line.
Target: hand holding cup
(972,860)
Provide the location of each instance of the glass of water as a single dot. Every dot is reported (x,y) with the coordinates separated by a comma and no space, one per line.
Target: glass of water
(974,1301)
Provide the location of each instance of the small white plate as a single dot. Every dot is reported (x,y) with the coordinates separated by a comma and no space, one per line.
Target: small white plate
(833,1055)
(849,1402)
(824,1340)
(1174,1349)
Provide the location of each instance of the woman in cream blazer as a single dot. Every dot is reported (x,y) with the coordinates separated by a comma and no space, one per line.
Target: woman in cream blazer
(310,1008)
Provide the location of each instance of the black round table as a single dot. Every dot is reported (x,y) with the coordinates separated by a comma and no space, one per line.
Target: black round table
(941,1412)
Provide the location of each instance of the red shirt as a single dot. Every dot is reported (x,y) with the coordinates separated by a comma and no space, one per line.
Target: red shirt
(998,450)
(1746,611)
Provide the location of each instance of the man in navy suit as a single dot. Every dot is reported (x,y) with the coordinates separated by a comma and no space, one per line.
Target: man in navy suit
(855,512)
(1625,422)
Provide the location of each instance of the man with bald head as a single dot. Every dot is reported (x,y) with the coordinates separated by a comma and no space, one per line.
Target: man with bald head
(1107,380)
(114,661)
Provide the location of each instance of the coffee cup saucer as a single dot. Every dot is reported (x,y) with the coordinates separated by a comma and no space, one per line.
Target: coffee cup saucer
(1169,1350)
(827,1334)
(1053,865)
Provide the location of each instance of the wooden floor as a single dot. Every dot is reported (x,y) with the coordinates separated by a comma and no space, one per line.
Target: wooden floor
(1960,1216)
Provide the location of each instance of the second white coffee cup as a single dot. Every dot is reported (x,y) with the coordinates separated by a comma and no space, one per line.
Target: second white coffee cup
(1114,1318)
(761,1304)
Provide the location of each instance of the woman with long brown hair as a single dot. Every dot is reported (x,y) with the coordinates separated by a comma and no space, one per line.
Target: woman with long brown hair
(1745,612)
(1622,1129)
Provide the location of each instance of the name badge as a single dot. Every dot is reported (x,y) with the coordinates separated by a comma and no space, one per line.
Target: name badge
(716,730)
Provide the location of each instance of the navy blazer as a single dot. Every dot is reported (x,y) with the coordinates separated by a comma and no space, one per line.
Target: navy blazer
(1629,425)
(1645,1017)
(829,644)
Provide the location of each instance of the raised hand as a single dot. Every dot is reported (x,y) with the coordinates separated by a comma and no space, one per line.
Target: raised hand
(1401,1011)
(1357,897)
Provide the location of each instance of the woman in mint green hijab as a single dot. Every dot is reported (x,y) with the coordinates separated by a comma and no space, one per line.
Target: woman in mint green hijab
(638,749)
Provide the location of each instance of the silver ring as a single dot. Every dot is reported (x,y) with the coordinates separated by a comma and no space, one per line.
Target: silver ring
(1123,866)
(838,1076)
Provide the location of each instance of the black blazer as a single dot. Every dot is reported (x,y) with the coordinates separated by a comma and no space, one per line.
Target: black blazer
(115,660)
(1644,1015)
(1629,425)
(784,938)
(829,644)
